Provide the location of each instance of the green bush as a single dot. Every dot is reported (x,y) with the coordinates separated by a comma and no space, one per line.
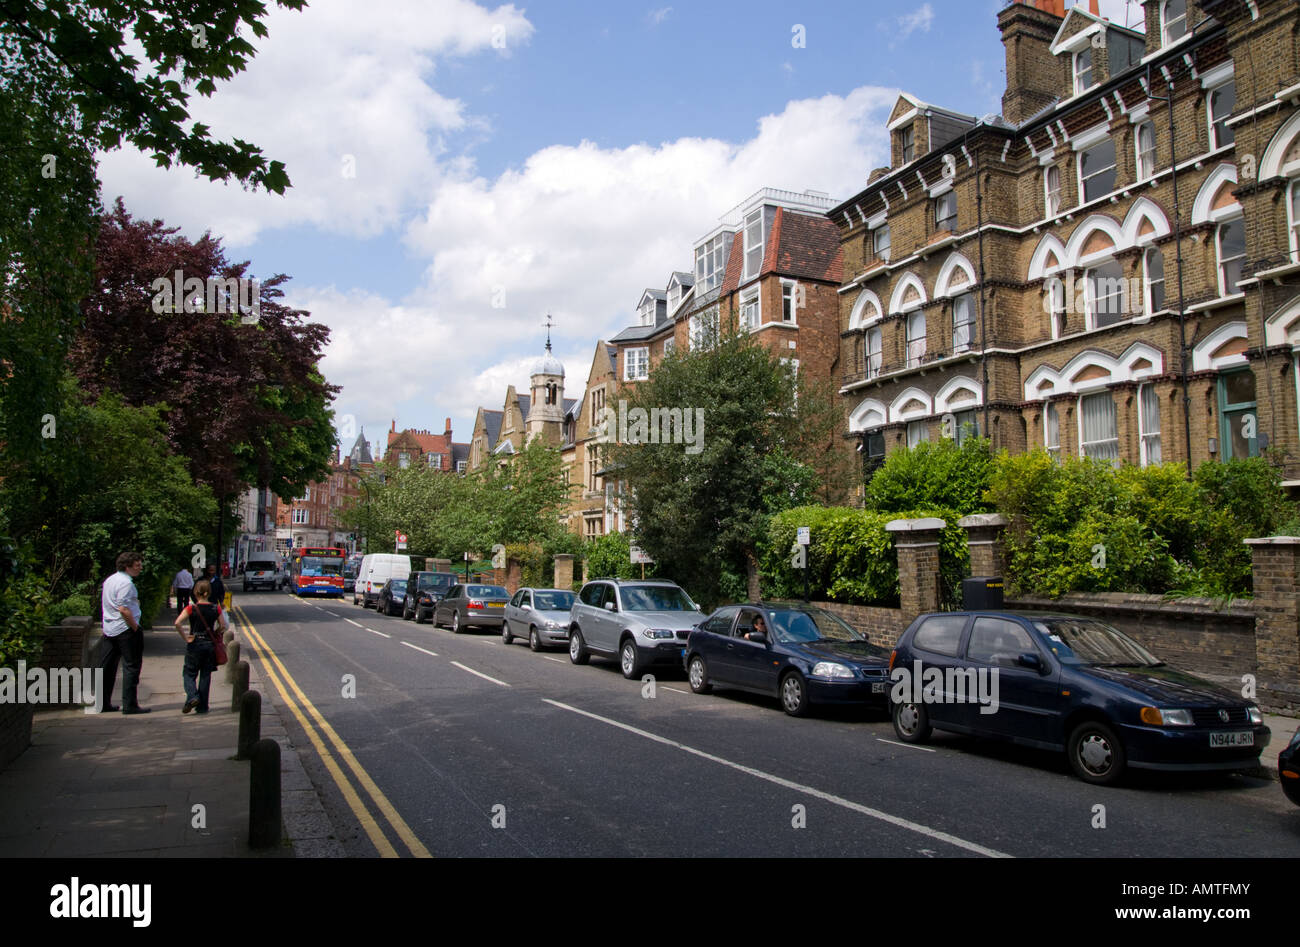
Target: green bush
(929,475)
(24,604)
(610,556)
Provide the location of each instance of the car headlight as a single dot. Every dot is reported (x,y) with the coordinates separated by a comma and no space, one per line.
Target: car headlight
(831,670)
(554,625)
(1166,718)
(1256,716)
(657,633)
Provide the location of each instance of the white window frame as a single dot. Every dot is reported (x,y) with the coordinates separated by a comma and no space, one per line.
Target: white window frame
(1147,282)
(636,364)
(1215,143)
(704,321)
(751,309)
(969,299)
(1080,85)
(1145,159)
(872,351)
(710,264)
(1293,217)
(435,461)
(670,346)
(918,432)
(753,244)
(1050,413)
(1219,259)
(945,199)
(878,251)
(907,143)
(790,302)
(1085,445)
(1052,196)
(1055,288)
(916,344)
(1083,182)
(1092,298)
(1148,436)
(1165,22)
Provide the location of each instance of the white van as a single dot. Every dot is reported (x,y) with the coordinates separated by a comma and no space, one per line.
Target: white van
(376,569)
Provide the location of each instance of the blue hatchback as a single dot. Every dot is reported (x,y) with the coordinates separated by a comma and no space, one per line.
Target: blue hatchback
(800,653)
(1066,682)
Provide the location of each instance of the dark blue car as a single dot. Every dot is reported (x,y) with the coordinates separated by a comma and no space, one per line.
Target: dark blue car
(1066,682)
(1288,769)
(801,654)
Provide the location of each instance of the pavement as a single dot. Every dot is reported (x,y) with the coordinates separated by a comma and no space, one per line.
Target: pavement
(108,784)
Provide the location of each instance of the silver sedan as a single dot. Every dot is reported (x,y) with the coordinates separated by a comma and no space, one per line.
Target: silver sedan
(540,615)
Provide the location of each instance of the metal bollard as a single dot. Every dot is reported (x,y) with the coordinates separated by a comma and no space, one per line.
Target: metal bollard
(241,685)
(232,659)
(264,795)
(250,724)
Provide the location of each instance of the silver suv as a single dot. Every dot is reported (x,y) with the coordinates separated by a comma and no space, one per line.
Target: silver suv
(641,623)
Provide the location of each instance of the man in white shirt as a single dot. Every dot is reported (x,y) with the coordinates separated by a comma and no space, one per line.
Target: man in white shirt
(182,587)
(122,634)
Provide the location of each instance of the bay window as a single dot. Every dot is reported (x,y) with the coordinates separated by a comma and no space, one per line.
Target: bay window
(753,243)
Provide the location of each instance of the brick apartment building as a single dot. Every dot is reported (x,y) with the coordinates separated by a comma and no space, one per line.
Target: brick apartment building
(312,519)
(1073,274)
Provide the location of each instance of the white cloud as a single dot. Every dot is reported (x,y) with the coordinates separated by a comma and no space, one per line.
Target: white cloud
(342,96)
(919,19)
(656,17)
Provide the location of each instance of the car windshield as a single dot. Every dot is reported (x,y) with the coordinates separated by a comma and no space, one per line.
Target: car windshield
(553,601)
(398,586)
(656,598)
(436,581)
(312,566)
(486,591)
(797,625)
(1085,641)
(256,566)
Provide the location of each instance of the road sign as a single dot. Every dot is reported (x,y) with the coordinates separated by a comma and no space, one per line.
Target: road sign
(639,556)
(800,558)
(804,537)
(401,539)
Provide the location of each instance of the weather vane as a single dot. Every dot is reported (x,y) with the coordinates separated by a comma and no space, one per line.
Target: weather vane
(549,323)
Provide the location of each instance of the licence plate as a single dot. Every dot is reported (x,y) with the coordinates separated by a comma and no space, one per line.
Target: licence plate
(878,688)
(1235,738)
(496,604)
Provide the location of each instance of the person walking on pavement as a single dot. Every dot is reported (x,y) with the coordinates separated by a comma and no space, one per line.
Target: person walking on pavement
(123,635)
(182,587)
(218,587)
(206,619)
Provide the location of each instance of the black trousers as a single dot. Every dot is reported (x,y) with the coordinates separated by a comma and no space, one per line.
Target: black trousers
(182,598)
(128,649)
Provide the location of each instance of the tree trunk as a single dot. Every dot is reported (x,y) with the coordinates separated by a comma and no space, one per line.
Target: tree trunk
(751,576)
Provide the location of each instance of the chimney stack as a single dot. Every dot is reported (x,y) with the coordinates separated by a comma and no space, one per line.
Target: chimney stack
(1035,78)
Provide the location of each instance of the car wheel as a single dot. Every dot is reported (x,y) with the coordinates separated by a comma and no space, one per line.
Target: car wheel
(1096,754)
(794,695)
(455,623)
(912,723)
(534,641)
(629,658)
(699,675)
(506,637)
(577,649)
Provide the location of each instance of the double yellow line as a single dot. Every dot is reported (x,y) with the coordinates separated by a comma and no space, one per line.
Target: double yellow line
(285,684)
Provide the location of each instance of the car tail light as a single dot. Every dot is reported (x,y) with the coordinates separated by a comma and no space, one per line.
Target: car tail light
(893,656)
(474,603)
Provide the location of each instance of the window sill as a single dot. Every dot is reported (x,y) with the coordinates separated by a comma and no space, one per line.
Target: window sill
(1220,303)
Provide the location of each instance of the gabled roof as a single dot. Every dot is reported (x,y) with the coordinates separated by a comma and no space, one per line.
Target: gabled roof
(492,426)
(571,405)
(637,334)
(807,247)
(525,402)
(459,454)
(682,279)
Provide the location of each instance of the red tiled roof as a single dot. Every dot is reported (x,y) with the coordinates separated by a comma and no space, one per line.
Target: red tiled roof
(808,247)
(735,264)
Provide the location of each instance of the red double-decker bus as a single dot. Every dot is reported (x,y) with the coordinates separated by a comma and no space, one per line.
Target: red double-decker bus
(317,570)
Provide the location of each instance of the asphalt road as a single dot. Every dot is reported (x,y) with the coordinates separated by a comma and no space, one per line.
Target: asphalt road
(491,750)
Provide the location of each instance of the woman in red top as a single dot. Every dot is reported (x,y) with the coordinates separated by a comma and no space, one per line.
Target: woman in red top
(206,619)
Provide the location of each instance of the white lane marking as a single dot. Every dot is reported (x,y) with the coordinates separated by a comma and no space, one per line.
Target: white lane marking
(380,634)
(675,690)
(560,660)
(910,746)
(409,645)
(797,787)
(479,674)
(351,622)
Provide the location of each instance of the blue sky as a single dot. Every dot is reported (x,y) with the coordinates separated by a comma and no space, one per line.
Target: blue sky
(560,156)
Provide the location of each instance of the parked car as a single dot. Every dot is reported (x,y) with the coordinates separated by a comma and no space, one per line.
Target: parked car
(805,656)
(540,615)
(423,591)
(376,569)
(261,572)
(391,598)
(635,621)
(1066,682)
(472,606)
(1288,769)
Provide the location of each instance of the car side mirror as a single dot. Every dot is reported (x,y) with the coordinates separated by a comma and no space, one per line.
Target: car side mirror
(1031,661)
(611,607)
(759,636)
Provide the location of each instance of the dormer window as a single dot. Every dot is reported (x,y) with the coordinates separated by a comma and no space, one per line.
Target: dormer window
(1173,20)
(907,141)
(710,261)
(1083,70)
(753,243)
(945,212)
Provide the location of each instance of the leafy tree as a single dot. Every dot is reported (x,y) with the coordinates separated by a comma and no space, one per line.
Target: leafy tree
(244,403)
(82,48)
(701,508)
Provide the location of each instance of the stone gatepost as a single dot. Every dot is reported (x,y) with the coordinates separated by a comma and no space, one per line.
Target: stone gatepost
(917,542)
(988,552)
(440,565)
(1275,570)
(564,571)
(514,575)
